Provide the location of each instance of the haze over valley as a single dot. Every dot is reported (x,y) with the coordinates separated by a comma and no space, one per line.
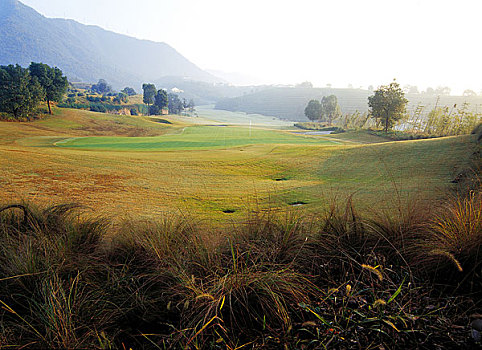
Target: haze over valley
(240,174)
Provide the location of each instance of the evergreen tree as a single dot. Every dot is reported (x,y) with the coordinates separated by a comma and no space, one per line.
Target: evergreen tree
(175,104)
(161,100)
(149,93)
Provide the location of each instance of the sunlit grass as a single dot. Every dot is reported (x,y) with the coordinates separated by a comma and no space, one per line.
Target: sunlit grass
(203,247)
(193,138)
(274,280)
(207,182)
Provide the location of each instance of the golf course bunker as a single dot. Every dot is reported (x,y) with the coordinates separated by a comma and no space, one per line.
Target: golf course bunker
(297,203)
(162,121)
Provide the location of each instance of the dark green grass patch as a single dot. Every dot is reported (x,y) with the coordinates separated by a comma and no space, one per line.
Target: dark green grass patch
(197,137)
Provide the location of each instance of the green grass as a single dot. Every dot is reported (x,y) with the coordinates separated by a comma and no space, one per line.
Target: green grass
(196,137)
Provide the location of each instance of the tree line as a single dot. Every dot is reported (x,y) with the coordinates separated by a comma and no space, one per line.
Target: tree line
(387,106)
(23,89)
(159,100)
(325,110)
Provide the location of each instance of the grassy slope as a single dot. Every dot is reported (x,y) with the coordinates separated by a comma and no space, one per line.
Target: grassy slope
(208,181)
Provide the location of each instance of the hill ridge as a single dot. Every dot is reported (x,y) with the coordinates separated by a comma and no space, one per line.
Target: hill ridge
(88,52)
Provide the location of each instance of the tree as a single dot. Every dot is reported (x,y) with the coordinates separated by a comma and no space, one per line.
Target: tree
(429,91)
(191,105)
(20,93)
(388,104)
(175,104)
(443,90)
(313,110)
(154,110)
(305,84)
(161,100)
(149,93)
(121,97)
(101,87)
(410,89)
(129,91)
(52,80)
(329,108)
(469,93)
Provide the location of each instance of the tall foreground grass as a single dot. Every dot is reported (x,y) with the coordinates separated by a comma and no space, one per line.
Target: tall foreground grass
(341,280)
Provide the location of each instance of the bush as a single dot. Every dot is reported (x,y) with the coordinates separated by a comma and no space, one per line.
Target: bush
(401,135)
(319,127)
(93,99)
(478,132)
(98,108)
(340,279)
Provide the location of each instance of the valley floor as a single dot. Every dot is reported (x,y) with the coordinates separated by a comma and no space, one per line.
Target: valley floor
(137,166)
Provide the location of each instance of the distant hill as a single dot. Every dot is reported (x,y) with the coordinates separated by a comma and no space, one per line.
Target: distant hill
(87,53)
(204,93)
(290,102)
(236,78)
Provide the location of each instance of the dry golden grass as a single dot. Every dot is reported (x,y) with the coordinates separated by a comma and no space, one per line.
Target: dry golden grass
(207,182)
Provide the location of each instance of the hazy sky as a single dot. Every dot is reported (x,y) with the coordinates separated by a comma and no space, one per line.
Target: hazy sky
(419,42)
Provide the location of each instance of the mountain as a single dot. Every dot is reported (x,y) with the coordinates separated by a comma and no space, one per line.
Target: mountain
(88,53)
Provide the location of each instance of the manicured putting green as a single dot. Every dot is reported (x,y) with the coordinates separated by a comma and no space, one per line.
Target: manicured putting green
(195,137)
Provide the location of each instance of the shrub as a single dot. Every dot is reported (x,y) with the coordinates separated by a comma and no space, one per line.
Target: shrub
(338,279)
(98,108)
(478,132)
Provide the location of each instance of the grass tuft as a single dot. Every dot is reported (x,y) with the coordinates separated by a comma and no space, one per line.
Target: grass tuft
(337,280)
